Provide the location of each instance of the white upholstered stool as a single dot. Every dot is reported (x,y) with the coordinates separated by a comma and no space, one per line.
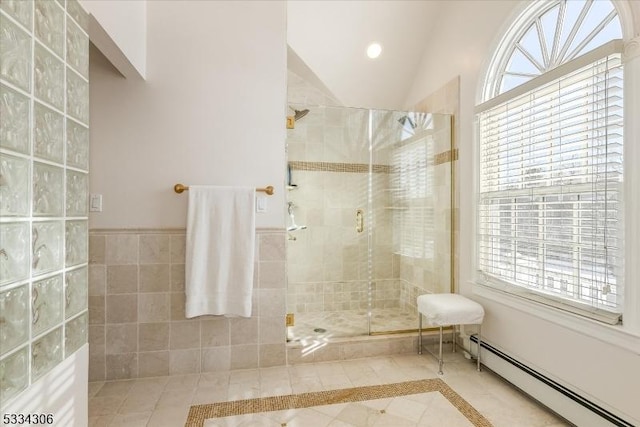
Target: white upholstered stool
(448,310)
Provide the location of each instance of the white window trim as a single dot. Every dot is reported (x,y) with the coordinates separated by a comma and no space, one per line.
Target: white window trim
(627,335)
(631,58)
(611,334)
(599,311)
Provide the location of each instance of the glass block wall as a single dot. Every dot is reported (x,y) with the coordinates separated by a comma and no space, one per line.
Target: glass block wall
(44,161)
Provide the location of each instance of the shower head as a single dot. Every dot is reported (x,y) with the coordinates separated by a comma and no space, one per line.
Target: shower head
(298,114)
(404,119)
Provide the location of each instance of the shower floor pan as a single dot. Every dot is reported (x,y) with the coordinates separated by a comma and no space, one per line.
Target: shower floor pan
(351,323)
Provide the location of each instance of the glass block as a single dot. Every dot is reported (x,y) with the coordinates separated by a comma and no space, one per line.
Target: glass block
(77,190)
(76,242)
(48,190)
(14,186)
(49,25)
(46,353)
(49,78)
(14,374)
(46,304)
(19,10)
(77,145)
(15,46)
(76,332)
(77,49)
(14,251)
(76,292)
(15,110)
(48,134)
(78,14)
(77,97)
(47,247)
(14,327)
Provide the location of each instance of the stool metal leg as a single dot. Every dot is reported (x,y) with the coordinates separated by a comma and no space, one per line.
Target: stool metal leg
(440,354)
(419,333)
(453,338)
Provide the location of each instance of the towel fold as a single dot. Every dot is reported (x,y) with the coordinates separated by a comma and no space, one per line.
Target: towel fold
(220,251)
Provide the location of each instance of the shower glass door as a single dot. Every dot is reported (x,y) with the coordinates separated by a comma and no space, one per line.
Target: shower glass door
(327,247)
(410,210)
(368,219)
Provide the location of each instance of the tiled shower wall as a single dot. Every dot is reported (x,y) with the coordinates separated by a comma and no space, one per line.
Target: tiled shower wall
(445,100)
(431,272)
(44,146)
(328,154)
(327,261)
(137,324)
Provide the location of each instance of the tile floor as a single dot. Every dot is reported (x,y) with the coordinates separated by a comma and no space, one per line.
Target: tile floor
(165,401)
(349,323)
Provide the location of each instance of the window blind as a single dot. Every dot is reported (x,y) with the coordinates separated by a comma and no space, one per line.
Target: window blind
(550,214)
(412,196)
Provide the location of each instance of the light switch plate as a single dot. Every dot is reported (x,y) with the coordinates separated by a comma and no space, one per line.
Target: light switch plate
(261,204)
(95,203)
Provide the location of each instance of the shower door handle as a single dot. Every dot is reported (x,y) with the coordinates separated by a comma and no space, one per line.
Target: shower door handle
(359,220)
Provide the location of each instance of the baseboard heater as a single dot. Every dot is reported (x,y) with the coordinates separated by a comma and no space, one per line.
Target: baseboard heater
(567,403)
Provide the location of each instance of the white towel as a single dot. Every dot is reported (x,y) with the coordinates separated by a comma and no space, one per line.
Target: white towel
(220,251)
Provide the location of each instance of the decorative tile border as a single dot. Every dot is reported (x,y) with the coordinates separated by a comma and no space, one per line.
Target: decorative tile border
(199,413)
(338,167)
(446,157)
(167,230)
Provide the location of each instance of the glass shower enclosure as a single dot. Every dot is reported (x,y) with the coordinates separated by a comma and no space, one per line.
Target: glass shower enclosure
(368,219)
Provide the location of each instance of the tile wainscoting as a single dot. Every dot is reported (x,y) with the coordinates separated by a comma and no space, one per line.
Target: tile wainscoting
(137,324)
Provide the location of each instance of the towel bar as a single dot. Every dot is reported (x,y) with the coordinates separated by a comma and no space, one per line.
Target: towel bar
(180,188)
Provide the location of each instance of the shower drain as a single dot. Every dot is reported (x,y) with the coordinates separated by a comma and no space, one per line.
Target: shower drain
(320,330)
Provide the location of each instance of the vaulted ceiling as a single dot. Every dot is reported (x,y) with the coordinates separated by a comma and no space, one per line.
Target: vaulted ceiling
(331,37)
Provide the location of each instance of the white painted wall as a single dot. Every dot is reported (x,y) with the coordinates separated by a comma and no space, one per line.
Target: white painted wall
(125,22)
(62,392)
(211,111)
(461,41)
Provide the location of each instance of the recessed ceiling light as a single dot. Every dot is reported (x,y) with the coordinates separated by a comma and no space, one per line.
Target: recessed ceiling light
(374,50)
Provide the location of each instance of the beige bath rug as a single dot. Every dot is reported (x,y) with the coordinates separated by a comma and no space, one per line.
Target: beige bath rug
(199,413)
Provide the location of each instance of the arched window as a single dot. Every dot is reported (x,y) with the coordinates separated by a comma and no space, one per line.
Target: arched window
(547,35)
(549,215)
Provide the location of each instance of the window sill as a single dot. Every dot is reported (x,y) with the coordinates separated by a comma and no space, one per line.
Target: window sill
(615,335)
